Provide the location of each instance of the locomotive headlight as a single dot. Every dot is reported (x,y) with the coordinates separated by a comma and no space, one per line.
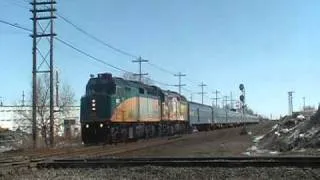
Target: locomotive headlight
(93,104)
(87,125)
(101,125)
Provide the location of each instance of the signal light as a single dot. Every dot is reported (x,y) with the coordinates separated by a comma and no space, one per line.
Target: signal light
(87,125)
(101,125)
(93,109)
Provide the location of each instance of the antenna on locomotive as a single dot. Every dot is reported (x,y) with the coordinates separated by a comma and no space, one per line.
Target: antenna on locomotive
(91,76)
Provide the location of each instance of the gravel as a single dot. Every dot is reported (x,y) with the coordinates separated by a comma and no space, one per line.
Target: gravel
(167,173)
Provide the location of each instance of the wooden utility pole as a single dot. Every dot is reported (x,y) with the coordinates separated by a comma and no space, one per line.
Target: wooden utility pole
(202,93)
(179,75)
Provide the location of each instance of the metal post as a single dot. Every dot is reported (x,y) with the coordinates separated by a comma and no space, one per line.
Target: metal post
(51,81)
(45,16)
(34,76)
(290,102)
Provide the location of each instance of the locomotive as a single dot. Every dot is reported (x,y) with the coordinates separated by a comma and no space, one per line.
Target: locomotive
(114,109)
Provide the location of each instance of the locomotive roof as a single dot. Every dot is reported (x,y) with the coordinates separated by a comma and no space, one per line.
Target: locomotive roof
(154,88)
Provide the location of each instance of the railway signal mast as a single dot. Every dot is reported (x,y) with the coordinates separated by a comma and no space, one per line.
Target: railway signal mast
(43,35)
(243,106)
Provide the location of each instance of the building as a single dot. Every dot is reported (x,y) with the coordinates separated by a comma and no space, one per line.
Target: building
(14,117)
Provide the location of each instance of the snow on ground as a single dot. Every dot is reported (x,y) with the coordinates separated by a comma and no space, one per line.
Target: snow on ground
(291,134)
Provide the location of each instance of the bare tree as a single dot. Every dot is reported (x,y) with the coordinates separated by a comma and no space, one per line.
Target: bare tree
(132,77)
(66,100)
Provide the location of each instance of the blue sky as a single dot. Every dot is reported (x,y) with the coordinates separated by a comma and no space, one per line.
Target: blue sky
(269,45)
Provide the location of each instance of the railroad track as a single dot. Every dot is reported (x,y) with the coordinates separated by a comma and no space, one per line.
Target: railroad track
(301,162)
(17,163)
(30,159)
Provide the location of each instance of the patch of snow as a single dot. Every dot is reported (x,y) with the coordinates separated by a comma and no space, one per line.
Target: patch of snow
(4,149)
(285,130)
(300,117)
(252,148)
(301,150)
(274,127)
(274,152)
(257,138)
(301,135)
(277,133)
(249,132)
(247,153)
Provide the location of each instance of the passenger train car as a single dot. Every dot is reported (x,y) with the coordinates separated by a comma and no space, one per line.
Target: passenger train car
(114,109)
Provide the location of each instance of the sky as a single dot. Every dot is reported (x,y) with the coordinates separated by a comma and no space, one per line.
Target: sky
(271,46)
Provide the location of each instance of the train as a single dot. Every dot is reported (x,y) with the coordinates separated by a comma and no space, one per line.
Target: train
(117,110)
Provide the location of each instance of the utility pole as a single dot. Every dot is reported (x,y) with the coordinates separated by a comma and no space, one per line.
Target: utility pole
(1,102)
(43,16)
(191,96)
(216,92)
(57,88)
(226,106)
(225,100)
(140,74)
(231,101)
(179,75)
(290,102)
(304,103)
(202,93)
(22,102)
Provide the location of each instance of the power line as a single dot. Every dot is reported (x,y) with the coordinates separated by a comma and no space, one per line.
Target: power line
(90,56)
(95,38)
(15,25)
(109,45)
(160,68)
(112,47)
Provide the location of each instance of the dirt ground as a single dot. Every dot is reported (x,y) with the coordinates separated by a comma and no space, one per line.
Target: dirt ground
(222,142)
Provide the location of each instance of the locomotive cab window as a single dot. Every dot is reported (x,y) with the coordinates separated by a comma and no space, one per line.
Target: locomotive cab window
(141,90)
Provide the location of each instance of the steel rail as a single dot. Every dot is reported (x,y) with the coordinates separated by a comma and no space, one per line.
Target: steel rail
(184,162)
